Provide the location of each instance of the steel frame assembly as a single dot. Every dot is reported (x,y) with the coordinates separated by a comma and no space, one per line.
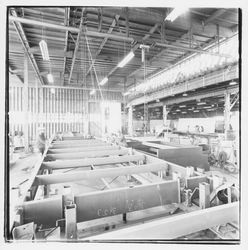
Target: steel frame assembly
(88,189)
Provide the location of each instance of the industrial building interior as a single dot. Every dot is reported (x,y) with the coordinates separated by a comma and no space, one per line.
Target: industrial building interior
(123,123)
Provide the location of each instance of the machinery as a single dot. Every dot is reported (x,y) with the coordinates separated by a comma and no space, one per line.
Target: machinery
(87,189)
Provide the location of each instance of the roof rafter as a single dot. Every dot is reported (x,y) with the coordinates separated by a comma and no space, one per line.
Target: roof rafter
(67,16)
(116,18)
(22,36)
(76,46)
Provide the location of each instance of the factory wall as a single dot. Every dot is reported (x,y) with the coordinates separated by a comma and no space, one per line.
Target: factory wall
(57,109)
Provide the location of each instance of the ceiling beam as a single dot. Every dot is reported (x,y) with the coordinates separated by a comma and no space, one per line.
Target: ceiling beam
(77,45)
(66,22)
(172,46)
(69,28)
(199,95)
(22,36)
(103,43)
(15,72)
(215,15)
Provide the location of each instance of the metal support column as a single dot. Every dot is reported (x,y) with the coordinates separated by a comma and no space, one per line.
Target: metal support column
(130,121)
(146,117)
(86,115)
(25,104)
(70,222)
(227,113)
(164,115)
(204,195)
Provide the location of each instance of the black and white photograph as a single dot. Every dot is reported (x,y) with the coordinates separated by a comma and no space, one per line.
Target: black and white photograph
(123,123)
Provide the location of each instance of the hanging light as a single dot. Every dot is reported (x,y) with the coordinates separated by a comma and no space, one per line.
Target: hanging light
(44,50)
(185,94)
(200,103)
(50,78)
(182,106)
(103,81)
(92,92)
(175,13)
(126,59)
(233,83)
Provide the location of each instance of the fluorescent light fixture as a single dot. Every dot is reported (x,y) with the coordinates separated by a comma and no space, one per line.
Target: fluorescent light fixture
(233,83)
(92,92)
(103,81)
(200,103)
(44,50)
(207,107)
(184,112)
(126,93)
(174,113)
(178,110)
(196,111)
(182,106)
(50,78)
(126,59)
(185,94)
(175,13)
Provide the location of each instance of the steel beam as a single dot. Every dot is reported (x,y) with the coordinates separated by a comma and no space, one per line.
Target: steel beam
(85,142)
(93,161)
(87,154)
(77,45)
(123,200)
(69,28)
(67,17)
(103,43)
(74,145)
(98,173)
(22,36)
(81,149)
(176,226)
(215,15)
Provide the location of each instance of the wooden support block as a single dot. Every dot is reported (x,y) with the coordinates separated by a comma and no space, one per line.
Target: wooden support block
(204,195)
(71,222)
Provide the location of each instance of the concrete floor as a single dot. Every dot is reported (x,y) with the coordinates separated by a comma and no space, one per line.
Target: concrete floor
(19,174)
